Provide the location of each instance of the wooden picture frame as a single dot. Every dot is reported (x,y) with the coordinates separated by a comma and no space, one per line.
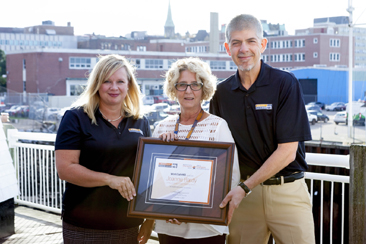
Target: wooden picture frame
(183,179)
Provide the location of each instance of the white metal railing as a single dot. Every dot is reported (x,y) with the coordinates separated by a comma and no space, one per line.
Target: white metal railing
(38,182)
(328,160)
(41,188)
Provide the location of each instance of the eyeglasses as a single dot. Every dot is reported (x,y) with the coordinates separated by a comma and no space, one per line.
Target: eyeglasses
(196,86)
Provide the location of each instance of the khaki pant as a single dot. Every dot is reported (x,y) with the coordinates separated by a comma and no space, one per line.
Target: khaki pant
(283,210)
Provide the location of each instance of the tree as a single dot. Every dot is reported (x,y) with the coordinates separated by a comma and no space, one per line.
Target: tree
(2,68)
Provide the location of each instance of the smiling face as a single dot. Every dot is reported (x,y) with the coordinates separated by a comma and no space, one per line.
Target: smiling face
(245,49)
(189,99)
(114,90)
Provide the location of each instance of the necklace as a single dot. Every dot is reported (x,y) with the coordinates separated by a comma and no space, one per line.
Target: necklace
(199,116)
(110,120)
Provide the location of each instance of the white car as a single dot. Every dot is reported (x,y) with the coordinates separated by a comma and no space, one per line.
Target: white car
(47,114)
(312,118)
(340,117)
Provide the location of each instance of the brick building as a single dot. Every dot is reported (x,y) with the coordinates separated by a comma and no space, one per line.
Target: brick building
(317,49)
(64,72)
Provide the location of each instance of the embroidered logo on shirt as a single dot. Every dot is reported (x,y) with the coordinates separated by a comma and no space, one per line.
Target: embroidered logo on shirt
(136,130)
(263,107)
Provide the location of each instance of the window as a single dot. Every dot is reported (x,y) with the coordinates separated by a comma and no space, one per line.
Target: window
(315,54)
(141,48)
(217,65)
(170,61)
(335,57)
(76,90)
(136,63)
(79,63)
(315,40)
(153,63)
(334,42)
(299,57)
(125,47)
(300,43)
(232,65)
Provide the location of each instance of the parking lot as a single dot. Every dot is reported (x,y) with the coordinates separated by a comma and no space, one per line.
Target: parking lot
(337,133)
(326,132)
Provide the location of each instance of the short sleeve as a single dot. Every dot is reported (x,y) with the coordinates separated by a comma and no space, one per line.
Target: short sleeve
(69,132)
(291,119)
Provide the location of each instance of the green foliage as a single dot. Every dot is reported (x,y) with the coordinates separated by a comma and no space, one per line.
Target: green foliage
(2,68)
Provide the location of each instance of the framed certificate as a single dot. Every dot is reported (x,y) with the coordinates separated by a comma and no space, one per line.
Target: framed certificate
(186,180)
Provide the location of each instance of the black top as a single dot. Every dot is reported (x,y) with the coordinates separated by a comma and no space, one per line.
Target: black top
(103,148)
(272,111)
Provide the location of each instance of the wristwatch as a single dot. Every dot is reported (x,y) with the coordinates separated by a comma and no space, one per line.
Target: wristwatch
(245,188)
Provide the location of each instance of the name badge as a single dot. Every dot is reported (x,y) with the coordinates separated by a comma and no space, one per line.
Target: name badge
(263,107)
(135,130)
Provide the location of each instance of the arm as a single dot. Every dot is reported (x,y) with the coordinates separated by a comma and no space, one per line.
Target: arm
(145,231)
(69,169)
(280,158)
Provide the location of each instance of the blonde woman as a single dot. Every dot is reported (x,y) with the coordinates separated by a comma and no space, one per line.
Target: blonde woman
(190,82)
(95,153)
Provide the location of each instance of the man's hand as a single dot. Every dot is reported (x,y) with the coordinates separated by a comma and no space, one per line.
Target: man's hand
(234,198)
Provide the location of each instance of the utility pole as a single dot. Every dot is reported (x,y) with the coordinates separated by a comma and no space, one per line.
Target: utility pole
(350,70)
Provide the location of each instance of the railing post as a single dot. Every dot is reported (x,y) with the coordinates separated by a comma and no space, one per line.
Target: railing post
(357,195)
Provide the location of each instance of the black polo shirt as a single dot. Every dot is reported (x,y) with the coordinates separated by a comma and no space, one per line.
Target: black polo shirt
(103,148)
(272,111)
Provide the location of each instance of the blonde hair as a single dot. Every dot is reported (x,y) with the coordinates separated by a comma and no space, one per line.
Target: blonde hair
(194,65)
(105,68)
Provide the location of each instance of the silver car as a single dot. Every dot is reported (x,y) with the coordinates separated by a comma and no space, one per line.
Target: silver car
(340,117)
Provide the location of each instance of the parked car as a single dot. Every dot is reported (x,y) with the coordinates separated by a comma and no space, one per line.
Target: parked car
(148,100)
(47,114)
(12,110)
(312,118)
(159,106)
(320,104)
(337,106)
(313,107)
(160,99)
(320,116)
(340,117)
(155,116)
(22,111)
(174,109)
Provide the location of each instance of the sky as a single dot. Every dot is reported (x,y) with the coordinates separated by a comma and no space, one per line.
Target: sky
(118,18)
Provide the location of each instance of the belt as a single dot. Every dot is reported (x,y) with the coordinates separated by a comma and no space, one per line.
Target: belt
(286,179)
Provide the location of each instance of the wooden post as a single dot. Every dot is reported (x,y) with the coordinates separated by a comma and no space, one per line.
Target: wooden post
(357,195)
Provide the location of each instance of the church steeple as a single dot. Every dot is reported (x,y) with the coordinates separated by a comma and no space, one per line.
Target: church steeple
(169,28)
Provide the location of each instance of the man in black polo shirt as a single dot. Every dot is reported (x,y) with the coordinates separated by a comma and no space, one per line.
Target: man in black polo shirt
(265,111)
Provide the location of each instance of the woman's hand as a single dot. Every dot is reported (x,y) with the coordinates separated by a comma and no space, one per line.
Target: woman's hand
(168,136)
(145,231)
(173,221)
(124,185)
